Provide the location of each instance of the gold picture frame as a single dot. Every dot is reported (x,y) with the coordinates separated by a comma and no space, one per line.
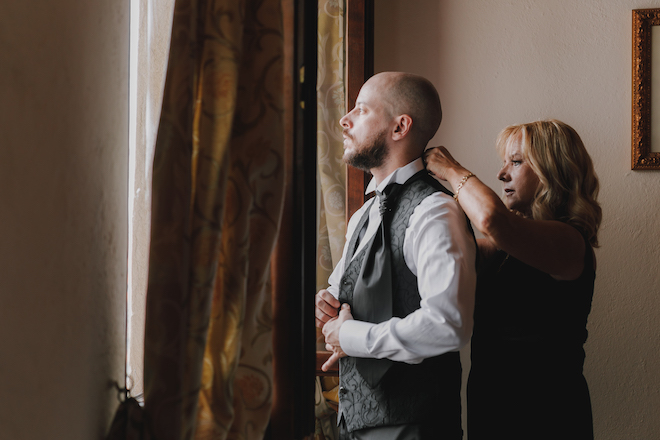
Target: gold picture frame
(645,148)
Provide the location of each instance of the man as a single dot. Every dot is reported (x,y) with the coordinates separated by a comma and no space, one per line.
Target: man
(400,301)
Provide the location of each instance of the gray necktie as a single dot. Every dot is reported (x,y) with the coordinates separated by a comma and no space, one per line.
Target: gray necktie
(372,297)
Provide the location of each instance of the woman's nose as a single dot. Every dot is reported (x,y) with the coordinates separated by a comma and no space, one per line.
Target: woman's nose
(502,175)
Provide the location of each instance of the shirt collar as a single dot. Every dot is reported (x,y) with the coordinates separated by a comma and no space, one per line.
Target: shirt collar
(400,176)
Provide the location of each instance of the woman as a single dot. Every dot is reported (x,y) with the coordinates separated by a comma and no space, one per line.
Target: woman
(535,285)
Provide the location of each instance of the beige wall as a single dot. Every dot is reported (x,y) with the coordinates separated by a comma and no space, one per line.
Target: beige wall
(63,215)
(498,63)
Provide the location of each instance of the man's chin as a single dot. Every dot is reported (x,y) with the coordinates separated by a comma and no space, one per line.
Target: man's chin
(359,166)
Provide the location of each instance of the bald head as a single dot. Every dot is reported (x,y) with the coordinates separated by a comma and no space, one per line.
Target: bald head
(415,96)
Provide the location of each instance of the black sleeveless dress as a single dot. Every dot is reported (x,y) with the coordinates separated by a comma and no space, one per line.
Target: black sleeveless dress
(526,377)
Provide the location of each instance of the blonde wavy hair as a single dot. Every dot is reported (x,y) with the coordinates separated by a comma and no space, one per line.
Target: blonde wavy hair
(568,183)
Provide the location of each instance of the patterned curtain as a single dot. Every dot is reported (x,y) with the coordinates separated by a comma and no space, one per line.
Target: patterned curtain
(331,209)
(330,108)
(218,185)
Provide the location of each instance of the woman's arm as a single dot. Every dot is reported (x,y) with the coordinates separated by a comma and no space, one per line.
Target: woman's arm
(550,246)
(486,249)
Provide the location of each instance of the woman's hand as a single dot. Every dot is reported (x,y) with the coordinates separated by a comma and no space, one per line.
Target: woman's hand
(439,163)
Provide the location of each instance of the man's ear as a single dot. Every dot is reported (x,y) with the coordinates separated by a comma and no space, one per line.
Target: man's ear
(402,128)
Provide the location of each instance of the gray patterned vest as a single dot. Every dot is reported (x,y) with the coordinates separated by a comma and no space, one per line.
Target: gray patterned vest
(425,392)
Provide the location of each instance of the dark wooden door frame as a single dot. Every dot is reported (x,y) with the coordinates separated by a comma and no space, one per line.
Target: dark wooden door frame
(294,261)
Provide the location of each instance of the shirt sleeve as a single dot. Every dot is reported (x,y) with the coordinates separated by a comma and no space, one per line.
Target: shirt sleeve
(440,250)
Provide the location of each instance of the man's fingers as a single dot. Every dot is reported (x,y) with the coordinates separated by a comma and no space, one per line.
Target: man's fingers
(321,317)
(325,330)
(324,311)
(346,311)
(328,298)
(324,303)
(330,362)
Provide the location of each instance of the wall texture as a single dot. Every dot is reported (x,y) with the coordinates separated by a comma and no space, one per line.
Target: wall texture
(63,215)
(498,63)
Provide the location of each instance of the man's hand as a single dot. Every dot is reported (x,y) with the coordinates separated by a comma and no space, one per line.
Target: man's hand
(327,307)
(333,359)
(331,333)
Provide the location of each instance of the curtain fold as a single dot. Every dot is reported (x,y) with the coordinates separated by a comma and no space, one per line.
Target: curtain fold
(218,185)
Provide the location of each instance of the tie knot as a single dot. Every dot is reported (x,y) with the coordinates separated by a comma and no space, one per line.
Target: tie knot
(387,198)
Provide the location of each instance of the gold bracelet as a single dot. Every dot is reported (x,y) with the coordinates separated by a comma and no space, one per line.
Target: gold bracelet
(461,183)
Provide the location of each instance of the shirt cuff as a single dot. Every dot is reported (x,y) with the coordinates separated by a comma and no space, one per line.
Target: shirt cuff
(352,337)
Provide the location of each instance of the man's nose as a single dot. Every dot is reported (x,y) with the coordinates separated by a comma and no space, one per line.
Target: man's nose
(345,121)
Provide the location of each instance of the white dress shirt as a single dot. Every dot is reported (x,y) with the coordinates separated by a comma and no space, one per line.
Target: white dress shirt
(440,251)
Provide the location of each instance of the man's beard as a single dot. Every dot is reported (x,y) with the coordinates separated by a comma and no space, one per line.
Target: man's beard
(370,154)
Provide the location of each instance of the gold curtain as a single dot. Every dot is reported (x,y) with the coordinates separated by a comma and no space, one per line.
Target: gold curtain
(330,108)
(331,178)
(217,200)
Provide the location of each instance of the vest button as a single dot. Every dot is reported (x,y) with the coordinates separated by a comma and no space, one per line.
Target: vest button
(342,390)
